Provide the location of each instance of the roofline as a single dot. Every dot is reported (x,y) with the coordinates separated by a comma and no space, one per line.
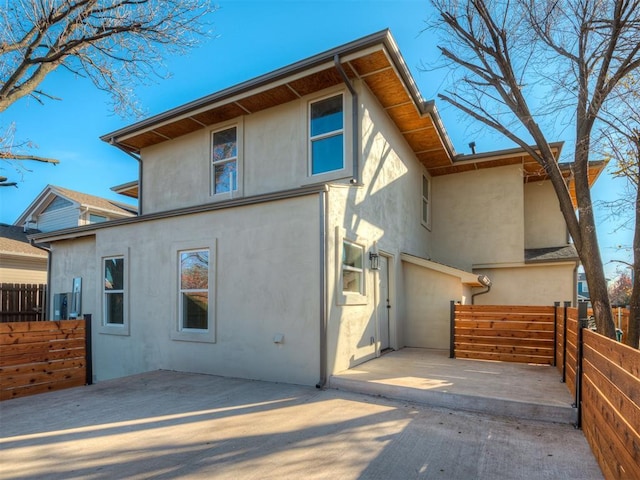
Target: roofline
(124,186)
(383,37)
(497,154)
(90,230)
(465,277)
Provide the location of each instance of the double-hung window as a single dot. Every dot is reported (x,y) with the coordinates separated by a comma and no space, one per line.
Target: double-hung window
(352,268)
(113,291)
(326,135)
(193,303)
(224,161)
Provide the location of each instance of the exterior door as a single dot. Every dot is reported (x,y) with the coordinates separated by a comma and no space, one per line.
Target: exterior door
(384,304)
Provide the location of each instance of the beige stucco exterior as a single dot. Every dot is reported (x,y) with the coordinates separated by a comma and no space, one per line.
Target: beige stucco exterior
(277,307)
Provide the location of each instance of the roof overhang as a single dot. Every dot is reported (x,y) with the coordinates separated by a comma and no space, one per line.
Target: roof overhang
(129,189)
(374,60)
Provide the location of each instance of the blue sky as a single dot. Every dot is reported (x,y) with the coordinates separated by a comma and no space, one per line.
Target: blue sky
(252,38)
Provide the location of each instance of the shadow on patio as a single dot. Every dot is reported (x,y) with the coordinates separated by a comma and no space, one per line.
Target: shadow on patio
(430,377)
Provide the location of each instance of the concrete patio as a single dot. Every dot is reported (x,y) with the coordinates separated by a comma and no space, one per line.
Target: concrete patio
(178,425)
(430,377)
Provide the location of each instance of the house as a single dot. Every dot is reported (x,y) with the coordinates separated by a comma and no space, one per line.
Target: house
(56,208)
(20,262)
(303,222)
(583,288)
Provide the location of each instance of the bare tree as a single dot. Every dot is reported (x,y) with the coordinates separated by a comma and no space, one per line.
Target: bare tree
(621,140)
(114,43)
(508,52)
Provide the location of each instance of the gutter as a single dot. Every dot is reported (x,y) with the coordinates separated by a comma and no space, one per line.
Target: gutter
(137,158)
(355,180)
(323,291)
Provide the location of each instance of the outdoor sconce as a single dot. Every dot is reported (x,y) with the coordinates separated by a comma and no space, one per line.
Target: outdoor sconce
(374,258)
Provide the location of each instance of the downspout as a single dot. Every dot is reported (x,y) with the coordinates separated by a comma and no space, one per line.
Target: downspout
(138,159)
(323,290)
(49,250)
(355,180)
(483,280)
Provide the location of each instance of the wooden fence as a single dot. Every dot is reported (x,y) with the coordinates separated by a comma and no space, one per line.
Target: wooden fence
(504,333)
(611,404)
(38,357)
(21,302)
(621,317)
(567,345)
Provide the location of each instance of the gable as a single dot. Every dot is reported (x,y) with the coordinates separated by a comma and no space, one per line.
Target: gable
(57,203)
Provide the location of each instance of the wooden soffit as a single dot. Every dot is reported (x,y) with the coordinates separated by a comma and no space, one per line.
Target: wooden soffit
(373,60)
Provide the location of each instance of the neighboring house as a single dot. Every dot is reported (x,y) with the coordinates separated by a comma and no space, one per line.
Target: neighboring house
(583,288)
(56,208)
(302,222)
(20,262)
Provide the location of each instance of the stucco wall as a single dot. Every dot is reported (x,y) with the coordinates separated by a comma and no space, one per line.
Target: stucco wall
(428,295)
(272,156)
(266,260)
(386,212)
(544,224)
(478,217)
(529,285)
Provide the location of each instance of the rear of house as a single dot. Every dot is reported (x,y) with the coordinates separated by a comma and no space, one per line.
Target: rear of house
(301,223)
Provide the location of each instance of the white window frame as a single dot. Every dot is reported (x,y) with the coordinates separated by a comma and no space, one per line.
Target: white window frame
(179,333)
(425,201)
(332,133)
(114,328)
(345,297)
(238,125)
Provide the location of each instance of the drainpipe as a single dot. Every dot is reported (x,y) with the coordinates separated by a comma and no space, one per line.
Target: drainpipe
(49,251)
(138,159)
(323,291)
(484,280)
(355,180)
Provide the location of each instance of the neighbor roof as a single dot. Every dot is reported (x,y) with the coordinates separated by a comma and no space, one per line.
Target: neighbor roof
(92,202)
(14,241)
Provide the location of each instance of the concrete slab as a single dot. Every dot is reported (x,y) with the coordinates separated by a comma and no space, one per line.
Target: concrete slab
(174,425)
(431,377)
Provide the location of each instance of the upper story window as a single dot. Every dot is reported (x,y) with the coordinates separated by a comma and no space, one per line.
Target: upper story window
(326,135)
(426,202)
(97,218)
(224,161)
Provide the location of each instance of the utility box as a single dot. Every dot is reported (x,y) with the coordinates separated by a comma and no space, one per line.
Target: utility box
(61,306)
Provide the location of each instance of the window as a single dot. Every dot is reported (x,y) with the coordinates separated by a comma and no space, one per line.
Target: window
(97,218)
(426,201)
(224,161)
(113,291)
(352,271)
(326,135)
(193,303)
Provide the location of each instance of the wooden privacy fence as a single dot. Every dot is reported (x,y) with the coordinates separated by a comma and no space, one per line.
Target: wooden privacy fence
(621,317)
(504,333)
(20,302)
(567,326)
(611,404)
(38,357)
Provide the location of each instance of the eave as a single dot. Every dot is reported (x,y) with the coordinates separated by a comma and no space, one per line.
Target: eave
(374,60)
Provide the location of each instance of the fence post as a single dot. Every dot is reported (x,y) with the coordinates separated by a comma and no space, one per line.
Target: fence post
(556,305)
(583,322)
(452,329)
(88,350)
(564,343)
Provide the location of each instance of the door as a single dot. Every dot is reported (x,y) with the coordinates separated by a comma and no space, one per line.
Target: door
(384,305)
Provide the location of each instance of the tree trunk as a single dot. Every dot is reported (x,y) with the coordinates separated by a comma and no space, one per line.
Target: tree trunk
(632,338)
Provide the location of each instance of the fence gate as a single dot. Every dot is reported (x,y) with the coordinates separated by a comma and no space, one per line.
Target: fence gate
(20,302)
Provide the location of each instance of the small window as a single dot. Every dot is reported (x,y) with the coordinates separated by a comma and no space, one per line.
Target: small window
(193,304)
(97,218)
(426,201)
(224,161)
(352,271)
(326,135)
(113,292)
